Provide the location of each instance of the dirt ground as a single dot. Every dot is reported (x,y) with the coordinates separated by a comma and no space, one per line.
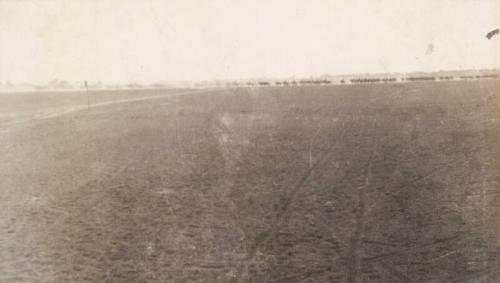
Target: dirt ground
(358,183)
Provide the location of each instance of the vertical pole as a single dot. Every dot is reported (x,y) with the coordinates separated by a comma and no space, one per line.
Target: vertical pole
(87,92)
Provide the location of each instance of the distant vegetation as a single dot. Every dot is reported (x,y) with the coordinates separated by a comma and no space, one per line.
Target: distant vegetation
(63,85)
(388,80)
(443,78)
(365,80)
(372,80)
(287,83)
(421,78)
(316,82)
(489,76)
(467,77)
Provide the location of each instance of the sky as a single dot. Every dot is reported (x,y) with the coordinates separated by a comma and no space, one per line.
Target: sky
(153,41)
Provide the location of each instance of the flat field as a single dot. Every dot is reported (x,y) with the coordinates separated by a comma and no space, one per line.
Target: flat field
(358,183)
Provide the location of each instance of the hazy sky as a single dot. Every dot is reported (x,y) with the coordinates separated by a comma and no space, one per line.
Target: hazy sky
(145,41)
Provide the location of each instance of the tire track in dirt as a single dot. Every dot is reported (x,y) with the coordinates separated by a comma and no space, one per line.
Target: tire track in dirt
(109,229)
(53,113)
(283,211)
(354,263)
(407,225)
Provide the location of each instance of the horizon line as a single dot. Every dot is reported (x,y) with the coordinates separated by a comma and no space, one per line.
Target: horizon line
(248,79)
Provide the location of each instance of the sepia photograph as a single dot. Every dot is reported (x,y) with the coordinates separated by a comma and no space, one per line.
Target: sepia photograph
(249,141)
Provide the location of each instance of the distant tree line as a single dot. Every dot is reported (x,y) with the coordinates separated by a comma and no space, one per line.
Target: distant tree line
(302,82)
(388,80)
(365,80)
(467,77)
(489,76)
(444,78)
(316,82)
(288,83)
(371,80)
(421,78)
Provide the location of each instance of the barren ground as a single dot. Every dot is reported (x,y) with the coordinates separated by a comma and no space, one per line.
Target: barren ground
(361,183)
